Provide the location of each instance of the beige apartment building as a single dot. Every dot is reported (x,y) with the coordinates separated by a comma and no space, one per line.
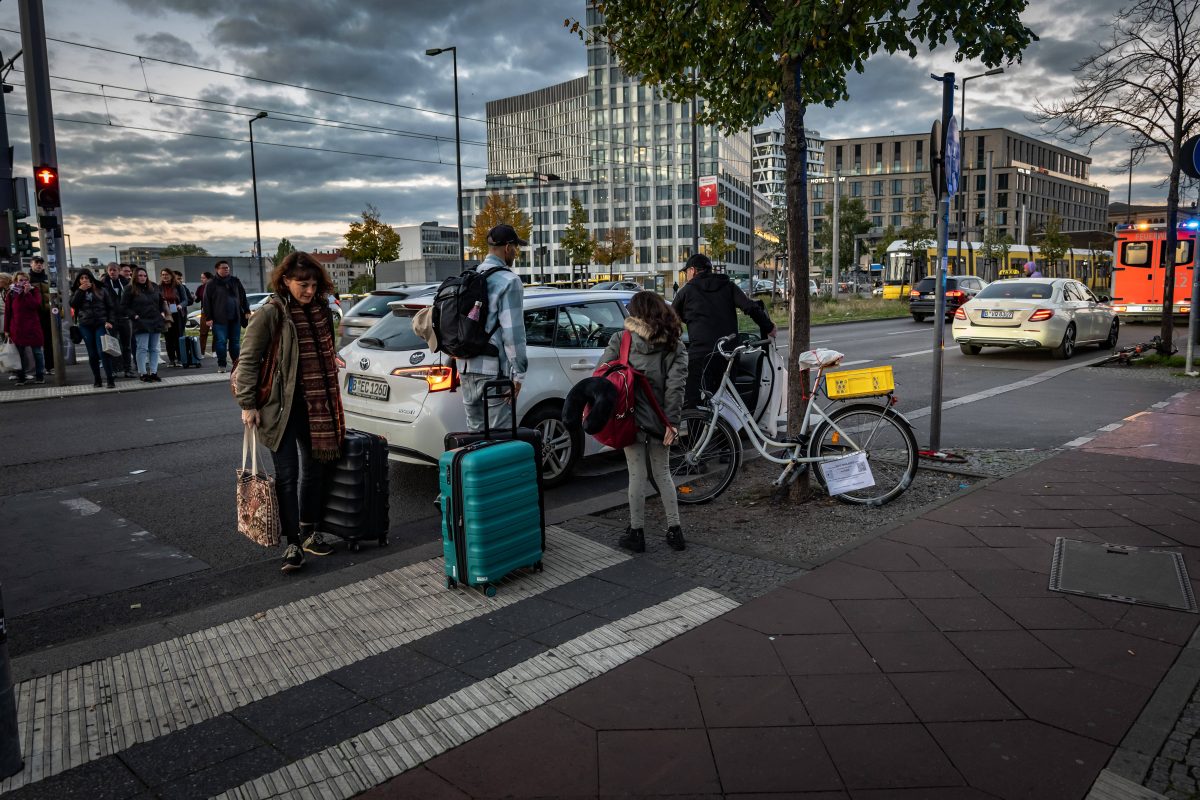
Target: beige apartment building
(1029,180)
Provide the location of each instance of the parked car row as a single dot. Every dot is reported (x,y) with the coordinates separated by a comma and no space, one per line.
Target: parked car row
(922,300)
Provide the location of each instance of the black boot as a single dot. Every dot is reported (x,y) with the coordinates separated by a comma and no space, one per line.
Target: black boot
(633,540)
(675,538)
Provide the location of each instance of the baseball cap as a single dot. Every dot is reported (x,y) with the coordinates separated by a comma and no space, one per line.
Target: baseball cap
(504,234)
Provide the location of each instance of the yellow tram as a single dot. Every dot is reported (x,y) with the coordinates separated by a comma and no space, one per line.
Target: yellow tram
(900,269)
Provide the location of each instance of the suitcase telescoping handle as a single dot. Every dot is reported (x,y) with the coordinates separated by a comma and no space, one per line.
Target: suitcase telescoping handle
(504,390)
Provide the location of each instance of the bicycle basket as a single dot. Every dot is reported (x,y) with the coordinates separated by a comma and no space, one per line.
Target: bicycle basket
(859,383)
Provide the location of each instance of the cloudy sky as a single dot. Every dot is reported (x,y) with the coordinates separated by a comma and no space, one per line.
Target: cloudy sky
(388,108)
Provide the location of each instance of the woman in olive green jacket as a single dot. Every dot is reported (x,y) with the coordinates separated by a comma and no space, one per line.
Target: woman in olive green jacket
(301,420)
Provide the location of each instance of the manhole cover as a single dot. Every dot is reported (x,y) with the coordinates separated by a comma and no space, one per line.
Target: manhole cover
(1140,575)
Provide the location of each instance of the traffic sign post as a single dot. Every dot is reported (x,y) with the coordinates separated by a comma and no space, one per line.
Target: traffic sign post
(947,156)
(1189,162)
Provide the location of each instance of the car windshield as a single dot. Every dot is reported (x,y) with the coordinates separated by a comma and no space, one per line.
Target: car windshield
(930,283)
(394,332)
(1016,290)
(375,305)
(604,285)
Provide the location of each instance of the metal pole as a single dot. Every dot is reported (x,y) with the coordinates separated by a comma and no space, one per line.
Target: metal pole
(963,195)
(695,180)
(10,742)
(262,281)
(462,247)
(7,195)
(987,213)
(43,150)
(939,314)
(837,233)
(70,252)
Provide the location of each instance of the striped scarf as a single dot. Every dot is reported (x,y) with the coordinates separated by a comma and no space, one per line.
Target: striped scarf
(318,380)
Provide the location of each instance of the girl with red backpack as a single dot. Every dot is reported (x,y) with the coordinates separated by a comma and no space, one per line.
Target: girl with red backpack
(658,353)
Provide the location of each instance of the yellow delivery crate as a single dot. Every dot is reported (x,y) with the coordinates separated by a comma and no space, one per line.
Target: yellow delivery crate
(859,382)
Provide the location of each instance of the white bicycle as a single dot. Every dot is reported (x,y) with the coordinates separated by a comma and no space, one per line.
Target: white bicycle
(866,452)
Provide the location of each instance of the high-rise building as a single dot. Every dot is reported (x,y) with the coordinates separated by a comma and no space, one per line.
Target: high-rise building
(628,162)
(770,162)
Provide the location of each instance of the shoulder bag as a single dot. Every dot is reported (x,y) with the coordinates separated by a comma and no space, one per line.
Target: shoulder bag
(257,505)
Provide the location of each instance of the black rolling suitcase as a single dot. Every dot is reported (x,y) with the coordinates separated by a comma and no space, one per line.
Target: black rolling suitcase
(456,439)
(356,491)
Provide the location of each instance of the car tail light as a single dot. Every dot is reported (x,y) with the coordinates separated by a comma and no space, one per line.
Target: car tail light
(959,313)
(1041,315)
(956,293)
(437,377)
(914,294)
(341,362)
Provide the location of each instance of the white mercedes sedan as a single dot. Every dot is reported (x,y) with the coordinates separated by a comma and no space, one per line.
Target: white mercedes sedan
(1056,314)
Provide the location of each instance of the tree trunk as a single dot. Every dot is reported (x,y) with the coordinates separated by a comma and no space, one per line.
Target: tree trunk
(796,150)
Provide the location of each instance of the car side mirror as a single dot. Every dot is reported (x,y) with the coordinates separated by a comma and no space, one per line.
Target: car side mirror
(1105,298)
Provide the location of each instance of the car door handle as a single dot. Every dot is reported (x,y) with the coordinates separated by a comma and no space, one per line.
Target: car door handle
(583,365)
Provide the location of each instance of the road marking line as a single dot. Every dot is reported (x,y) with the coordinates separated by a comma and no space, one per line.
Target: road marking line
(852,363)
(380,754)
(1082,440)
(914,353)
(74,716)
(1111,426)
(1004,389)
(904,333)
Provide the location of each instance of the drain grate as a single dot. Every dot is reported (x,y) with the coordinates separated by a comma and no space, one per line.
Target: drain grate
(1140,575)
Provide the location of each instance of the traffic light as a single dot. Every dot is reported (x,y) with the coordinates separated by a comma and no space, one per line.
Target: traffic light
(46,180)
(26,240)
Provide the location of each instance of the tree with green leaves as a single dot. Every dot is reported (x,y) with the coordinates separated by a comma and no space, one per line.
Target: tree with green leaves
(995,248)
(918,234)
(362,284)
(284,249)
(183,250)
(1054,244)
(371,241)
(853,221)
(878,247)
(743,59)
(613,247)
(498,209)
(716,237)
(576,241)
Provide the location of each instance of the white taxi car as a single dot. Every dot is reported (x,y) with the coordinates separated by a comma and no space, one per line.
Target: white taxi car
(1057,314)
(392,385)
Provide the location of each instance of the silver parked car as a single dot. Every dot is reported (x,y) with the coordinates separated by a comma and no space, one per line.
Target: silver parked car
(372,308)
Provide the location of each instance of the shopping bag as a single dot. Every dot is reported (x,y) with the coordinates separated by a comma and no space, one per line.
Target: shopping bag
(110,344)
(257,505)
(10,357)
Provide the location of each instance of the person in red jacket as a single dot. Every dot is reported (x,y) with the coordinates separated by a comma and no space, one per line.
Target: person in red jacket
(23,327)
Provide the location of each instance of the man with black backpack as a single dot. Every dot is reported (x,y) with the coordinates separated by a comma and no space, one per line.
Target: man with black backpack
(478,317)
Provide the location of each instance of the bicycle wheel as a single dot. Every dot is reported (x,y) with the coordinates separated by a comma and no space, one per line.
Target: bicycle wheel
(701,476)
(888,441)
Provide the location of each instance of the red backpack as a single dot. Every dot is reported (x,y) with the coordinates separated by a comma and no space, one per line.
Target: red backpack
(621,429)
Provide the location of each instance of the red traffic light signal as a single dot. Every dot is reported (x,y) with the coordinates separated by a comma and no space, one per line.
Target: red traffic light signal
(45,179)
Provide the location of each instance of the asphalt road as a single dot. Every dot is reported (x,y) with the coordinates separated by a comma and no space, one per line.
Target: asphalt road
(118,508)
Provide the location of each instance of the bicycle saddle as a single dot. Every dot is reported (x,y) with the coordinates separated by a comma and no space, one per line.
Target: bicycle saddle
(820,358)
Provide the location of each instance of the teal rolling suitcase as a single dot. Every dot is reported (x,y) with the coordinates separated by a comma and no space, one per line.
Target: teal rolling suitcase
(491,512)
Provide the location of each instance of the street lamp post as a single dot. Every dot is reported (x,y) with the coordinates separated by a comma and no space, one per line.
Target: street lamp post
(116,255)
(254,181)
(462,250)
(962,151)
(70,251)
(542,212)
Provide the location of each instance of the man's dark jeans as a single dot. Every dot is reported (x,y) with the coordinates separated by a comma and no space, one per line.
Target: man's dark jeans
(298,476)
(123,330)
(704,372)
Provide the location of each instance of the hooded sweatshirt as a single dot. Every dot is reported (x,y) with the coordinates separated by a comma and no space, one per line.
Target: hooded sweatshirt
(708,305)
(665,367)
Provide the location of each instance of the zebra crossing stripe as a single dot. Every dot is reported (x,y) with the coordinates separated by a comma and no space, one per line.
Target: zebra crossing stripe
(382,753)
(78,715)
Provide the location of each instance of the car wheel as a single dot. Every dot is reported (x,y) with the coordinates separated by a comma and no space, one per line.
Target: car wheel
(561,449)
(1066,348)
(919,317)
(1113,333)
(970,349)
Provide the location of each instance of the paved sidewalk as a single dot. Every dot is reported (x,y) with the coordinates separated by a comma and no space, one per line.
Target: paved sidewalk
(79,382)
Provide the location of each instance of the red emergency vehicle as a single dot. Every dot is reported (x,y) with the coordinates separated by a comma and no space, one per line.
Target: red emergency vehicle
(1139,276)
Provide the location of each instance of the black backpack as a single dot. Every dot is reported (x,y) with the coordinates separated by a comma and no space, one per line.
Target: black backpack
(459,314)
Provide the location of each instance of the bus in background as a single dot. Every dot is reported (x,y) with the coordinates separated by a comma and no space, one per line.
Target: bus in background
(1139,276)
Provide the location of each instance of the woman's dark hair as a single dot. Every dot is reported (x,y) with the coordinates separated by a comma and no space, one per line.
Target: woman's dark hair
(300,266)
(136,288)
(85,273)
(654,311)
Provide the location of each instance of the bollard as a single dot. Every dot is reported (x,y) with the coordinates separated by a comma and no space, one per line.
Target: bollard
(10,744)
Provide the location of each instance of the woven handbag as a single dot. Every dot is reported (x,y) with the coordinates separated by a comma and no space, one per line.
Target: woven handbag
(257,504)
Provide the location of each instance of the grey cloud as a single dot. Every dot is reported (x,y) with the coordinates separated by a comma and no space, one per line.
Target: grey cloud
(172,48)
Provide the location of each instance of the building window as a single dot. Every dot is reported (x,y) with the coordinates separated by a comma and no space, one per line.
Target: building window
(856,188)
(664,253)
(876,188)
(685,231)
(876,206)
(897,221)
(663,231)
(662,212)
(818,208)
(642,232)
(896,157)
(920,155)
(897,204)
(560,217)
(897,186)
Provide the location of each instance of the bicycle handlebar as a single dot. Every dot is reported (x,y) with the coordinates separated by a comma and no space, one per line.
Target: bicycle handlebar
(745,346)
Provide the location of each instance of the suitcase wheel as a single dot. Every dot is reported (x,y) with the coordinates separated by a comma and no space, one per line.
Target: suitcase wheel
(537,567)
(489,590)
(450,582)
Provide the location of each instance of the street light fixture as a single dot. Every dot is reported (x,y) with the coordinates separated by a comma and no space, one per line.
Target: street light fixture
(462,250)
(962,151)
(543,212)
(254,181)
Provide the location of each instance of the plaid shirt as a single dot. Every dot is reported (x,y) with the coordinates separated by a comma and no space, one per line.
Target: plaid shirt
(506,306)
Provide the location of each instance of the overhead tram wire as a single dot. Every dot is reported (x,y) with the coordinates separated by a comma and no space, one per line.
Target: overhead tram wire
(246,141)
(590,139)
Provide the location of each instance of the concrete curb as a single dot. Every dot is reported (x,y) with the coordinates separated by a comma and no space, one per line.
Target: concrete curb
(47,392)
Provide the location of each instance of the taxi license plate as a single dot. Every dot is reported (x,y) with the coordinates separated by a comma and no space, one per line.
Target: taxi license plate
(369,388)
(995,314)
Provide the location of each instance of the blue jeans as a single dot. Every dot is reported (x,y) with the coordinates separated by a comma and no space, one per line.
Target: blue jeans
(146,357)
(95,351)
(32,358)
(499,410)
(227,336)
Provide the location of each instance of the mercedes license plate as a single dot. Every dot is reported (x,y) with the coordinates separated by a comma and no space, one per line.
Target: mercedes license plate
(369,388)
(995,314)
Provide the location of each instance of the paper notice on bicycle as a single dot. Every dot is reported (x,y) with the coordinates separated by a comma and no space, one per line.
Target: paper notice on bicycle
(848,473)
